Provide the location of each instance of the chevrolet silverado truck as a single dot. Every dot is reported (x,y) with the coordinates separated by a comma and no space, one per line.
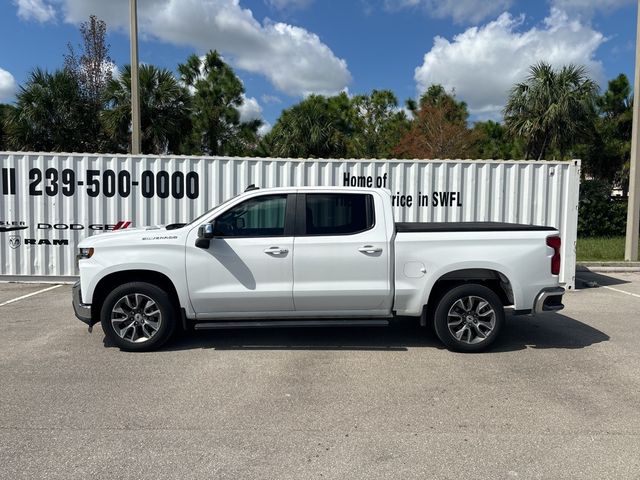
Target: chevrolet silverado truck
(315,256)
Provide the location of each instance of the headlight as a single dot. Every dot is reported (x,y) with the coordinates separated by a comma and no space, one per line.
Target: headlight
(85,253)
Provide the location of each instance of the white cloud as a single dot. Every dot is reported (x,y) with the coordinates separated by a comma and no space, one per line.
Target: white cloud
(35,10)
(115,71)
(250,109)
(289,4)
(483,63)
(295,60)
(587,8)
(461,11)
(264,128)
(270,99)
(8,85)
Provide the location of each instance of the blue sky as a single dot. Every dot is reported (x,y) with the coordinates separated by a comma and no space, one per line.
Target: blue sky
(285,49)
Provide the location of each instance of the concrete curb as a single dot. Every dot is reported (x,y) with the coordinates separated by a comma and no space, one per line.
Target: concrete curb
(608,267)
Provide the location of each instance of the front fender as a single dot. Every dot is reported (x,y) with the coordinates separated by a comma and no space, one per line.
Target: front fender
(96,273)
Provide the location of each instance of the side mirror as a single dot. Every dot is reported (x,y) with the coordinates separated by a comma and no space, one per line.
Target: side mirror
(205,234)
(205,231)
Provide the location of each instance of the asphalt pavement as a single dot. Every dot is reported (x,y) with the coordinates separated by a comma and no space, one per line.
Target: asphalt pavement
(558,397)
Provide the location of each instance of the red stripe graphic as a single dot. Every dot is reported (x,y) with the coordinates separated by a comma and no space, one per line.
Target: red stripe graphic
(121,225)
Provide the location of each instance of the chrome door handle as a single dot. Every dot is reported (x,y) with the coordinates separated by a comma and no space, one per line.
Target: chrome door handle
(370,249)
(275,251)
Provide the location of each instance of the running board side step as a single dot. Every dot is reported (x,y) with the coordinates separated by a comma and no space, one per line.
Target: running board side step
(290,323)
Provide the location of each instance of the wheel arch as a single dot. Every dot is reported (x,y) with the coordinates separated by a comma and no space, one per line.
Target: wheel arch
(495,280)
(112,280)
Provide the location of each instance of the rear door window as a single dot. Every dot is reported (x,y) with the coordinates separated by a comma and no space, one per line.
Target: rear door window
(338,214)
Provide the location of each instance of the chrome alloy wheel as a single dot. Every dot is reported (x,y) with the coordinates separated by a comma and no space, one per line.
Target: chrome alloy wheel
(471,319)
(136,318)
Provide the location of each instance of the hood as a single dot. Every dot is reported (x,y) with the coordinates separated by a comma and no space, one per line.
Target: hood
(129,233)
(169,226)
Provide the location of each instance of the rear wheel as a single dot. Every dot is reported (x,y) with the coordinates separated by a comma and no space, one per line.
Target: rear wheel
(468,318)
(138,316)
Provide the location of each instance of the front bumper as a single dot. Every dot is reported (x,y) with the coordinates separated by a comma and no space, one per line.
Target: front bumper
(549,300)
(82,310)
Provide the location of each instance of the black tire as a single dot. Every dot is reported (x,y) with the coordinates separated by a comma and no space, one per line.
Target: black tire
(467,336)
(135,293)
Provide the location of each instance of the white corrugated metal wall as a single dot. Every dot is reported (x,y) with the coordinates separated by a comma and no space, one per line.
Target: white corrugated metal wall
(48,202)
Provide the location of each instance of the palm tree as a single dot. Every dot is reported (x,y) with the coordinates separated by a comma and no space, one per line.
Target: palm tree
(5,113)
(316,127)
(551,108)
(164,109)
(51,115)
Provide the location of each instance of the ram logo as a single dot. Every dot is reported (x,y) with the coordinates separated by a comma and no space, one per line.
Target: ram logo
(14,241)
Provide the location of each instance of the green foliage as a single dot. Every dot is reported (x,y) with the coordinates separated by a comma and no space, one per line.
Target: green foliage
(493,141)
(217,95)
(378,124)
(599,215)
(606,155)
(51,115)
(552,109)
(164,110)
(4,116)
(616,103)
(317,127)
(365,126)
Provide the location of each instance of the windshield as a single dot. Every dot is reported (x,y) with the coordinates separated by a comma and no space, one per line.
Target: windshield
(205,214)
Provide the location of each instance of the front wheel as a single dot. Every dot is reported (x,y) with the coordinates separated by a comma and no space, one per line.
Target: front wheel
(468,318)
(138,316)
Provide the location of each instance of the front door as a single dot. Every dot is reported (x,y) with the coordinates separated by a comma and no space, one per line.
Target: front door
(248,268)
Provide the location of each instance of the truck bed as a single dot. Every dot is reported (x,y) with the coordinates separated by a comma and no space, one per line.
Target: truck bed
(406,227)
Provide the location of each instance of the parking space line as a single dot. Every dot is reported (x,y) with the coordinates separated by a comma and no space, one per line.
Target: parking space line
(29,295)
(621,291)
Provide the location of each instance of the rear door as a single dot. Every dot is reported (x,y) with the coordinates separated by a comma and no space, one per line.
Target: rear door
(341,263)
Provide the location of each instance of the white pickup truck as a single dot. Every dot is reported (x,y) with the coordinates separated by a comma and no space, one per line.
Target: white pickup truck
(315,256)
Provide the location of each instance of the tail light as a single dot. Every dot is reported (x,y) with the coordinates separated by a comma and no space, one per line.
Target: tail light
(555,242)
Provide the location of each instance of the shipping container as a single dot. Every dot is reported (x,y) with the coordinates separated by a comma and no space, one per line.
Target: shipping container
(50,201)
